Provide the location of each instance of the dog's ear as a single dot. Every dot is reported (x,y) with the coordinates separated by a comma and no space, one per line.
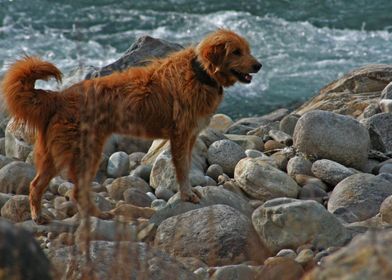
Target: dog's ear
(215,53)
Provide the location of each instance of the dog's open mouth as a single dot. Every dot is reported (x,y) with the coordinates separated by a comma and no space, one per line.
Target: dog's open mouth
(242,77)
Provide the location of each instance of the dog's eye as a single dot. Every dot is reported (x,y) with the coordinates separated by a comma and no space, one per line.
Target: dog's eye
(237,52)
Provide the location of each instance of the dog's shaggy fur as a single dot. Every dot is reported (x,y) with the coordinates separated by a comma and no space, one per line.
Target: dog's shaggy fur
(170,98)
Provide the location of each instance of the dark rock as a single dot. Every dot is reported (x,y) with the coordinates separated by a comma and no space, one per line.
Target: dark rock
(20,255)
(382,124)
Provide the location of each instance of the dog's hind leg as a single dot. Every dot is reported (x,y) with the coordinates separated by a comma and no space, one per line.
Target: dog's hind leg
(46,170)
(181,149)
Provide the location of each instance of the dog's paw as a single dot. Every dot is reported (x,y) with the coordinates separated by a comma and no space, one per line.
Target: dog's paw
(193,195)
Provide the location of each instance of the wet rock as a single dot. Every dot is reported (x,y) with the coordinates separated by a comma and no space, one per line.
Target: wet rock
(262,181)
(217,235)
(362,194)
(326,135)
(288,223)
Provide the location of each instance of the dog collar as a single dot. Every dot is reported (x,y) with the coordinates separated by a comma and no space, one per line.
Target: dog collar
(202,75)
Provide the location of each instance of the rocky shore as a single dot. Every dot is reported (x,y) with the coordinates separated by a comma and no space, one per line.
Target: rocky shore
(289,195)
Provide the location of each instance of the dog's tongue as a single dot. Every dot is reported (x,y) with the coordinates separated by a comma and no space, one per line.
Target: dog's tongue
(248,77)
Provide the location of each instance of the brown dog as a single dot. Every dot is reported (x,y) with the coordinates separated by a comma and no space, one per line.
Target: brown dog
(170,98)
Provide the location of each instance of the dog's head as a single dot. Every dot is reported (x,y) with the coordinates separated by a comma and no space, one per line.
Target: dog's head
(226,57)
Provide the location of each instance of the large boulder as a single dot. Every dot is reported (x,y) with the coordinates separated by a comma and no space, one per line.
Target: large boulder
(125,260)
(352,93)
(20,255)
(289,223)
(262,181)
(15,177)
(368,256)
(361,194)
(326,135)
(217,235)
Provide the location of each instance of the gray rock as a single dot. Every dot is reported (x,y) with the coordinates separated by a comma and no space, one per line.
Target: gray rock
(135,159)
(311,191)
(5,160)
(234,272)
(287,124)
(217,235)
(330,171)
(108,230)
(220,122)
(2,146)
(247,141)
(118,165)
(368,256)
(387,92)
(227,154)
(299,165)
(158,204)
(117,188)
(102,203)
(142,171)
(137,197)
(163,193)
(127,144)
(386,105)
(17,209)
(163,172)
(15,177)
(326,135)
(209,136)
(382,124)
(143,49)
(386,210)
(289,223)
(209,196)
(64,188)
(287,253)
(262,181)
(17,142)
(281,137)
(362,194)
(214,171)
(22,257)
(4,198)
(254,153)
(352,93)
(132,261)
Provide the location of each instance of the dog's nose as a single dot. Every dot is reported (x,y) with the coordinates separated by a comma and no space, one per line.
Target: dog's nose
(257,67)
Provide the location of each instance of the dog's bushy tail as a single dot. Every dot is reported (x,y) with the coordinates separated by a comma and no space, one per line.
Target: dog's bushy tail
(30,106)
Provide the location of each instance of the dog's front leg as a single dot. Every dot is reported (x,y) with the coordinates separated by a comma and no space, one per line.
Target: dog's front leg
(181,149)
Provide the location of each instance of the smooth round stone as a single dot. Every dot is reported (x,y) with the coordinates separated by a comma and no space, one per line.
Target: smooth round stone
(158,204)
(64,188)
(287,253)
(163,193)
(254,153)
(151,195)
(118,164)
(271,145)
(214,171)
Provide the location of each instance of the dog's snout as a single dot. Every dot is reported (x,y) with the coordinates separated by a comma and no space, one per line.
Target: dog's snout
(257,66)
